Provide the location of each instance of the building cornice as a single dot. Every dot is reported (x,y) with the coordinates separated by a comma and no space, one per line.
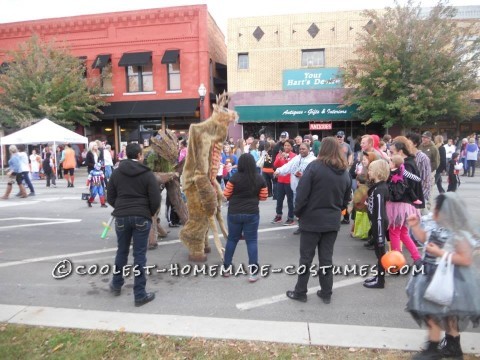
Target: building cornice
(95,22)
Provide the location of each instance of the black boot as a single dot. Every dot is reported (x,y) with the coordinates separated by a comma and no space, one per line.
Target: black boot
(450,347)
(430,353)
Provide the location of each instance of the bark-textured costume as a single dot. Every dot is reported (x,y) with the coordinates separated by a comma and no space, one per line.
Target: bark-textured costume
(162,158)
(204,195)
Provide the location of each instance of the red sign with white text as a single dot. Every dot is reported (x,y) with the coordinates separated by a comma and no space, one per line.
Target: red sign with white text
(320,126)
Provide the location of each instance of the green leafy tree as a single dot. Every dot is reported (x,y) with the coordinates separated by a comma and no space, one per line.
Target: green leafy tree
(413,68)
(45,80)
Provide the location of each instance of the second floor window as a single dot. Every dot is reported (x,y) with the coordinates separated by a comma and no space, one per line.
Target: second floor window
(313,58)
(173,73)
(139,78)
(243,60)
(106,79)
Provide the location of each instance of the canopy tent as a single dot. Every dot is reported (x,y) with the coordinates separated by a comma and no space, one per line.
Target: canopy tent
(43,132)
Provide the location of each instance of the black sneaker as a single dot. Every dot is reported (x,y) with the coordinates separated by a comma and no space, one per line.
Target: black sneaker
(297,232)
(296,296)
(149,297)
(345,221)
(277,219)
(289,222)
(89,203)
(327,299)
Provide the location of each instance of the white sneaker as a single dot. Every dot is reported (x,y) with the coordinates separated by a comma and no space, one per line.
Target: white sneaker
(252,278)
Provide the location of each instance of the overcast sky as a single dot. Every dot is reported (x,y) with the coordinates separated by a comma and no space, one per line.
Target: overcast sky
(221,10)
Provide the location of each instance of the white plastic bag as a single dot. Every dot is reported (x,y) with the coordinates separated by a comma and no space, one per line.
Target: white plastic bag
(441,288)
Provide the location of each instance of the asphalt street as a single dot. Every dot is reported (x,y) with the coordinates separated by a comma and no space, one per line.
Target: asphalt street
(56,227)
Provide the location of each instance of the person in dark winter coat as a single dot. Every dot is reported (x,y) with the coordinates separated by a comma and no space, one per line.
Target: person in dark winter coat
(323,192)
(134,194)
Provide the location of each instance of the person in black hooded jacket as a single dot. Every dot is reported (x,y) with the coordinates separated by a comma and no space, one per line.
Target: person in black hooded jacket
(323,192)
(134,194)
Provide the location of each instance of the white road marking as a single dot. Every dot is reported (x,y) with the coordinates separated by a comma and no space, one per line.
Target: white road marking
(277,298)
(38,199)
(92,252)
(47,221)
(65,256)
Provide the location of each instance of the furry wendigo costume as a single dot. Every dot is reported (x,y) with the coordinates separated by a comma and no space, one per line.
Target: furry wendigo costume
(204,195)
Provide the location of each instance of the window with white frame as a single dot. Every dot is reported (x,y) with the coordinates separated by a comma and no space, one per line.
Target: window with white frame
(173,75)
(313,58)
(106,79)
(243,60)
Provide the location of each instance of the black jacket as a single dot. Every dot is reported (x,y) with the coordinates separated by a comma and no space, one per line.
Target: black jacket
(133,190)
(443,160)
(322,193)
(377,214)
(90,160)
(416,186)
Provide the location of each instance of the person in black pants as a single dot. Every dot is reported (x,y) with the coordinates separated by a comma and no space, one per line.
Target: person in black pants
(323,191)
(443,163)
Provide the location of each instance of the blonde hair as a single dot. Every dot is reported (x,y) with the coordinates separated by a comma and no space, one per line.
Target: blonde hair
(471,140)
(13,149)
(379,170)
(439,139)
(397,160)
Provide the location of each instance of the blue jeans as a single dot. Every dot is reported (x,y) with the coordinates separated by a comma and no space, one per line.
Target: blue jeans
(138,228)
(248,225)
(282,190)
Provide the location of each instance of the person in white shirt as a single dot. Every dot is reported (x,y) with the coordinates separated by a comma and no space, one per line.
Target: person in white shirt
(295,168)
(108,161)
(449,150)
(25,169)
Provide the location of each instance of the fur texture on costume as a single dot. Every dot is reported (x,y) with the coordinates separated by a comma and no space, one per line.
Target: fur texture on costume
(204,196)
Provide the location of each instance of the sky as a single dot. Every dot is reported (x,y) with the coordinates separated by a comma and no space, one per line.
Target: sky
(221,10)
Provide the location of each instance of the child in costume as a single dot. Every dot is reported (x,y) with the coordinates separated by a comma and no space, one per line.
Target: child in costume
(450,232)
(378,195)
(397,184)
(96,182)
(454,168)
(49,168)
(361,224)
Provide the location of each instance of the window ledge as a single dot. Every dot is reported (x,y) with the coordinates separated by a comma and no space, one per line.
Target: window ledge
(108,94)
(173,92)
(140,93)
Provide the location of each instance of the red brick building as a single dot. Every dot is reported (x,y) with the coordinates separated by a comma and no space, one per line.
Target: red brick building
(153,62)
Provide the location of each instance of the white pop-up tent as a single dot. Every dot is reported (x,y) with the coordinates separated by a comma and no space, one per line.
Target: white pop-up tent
(42,132)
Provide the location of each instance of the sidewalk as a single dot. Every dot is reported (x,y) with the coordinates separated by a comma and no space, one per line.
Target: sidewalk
(225,328)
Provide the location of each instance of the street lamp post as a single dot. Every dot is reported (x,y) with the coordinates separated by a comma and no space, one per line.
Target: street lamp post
(202,91)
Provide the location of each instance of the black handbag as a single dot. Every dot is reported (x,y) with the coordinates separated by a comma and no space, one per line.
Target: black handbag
(85,196)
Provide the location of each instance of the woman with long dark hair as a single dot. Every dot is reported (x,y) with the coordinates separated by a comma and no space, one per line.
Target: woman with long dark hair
(322,193)
(244,190)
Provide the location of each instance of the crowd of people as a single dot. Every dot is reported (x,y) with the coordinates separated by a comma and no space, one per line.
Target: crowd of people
(388,190)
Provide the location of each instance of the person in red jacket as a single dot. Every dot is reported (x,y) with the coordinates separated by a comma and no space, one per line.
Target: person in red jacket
(283,185)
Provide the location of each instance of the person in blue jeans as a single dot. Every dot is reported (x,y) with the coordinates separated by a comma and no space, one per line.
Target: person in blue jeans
(244,190)
(134,194)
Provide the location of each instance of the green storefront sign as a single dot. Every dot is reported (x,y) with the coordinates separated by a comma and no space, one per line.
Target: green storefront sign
(294,113)
(323,78)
